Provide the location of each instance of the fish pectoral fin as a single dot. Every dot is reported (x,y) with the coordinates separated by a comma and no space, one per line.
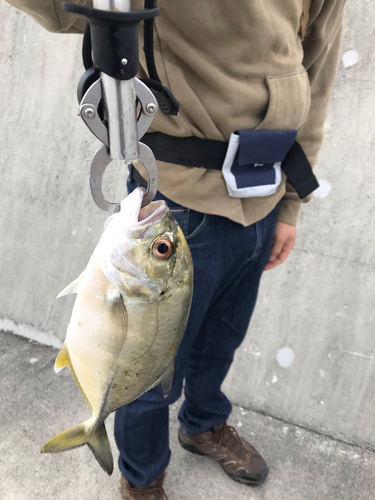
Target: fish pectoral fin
(79,435)
(73,287)
(167,381)
(62,360)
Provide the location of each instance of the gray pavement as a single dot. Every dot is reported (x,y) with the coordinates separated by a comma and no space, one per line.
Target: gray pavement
(36,404)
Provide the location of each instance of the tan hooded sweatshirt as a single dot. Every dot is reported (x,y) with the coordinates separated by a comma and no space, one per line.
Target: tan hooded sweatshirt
(233,65)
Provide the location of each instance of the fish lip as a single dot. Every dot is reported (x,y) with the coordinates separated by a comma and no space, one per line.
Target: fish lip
(160,209)
(139,217)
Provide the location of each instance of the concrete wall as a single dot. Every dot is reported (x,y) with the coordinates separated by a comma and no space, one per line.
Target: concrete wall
(309,356)
(321,303)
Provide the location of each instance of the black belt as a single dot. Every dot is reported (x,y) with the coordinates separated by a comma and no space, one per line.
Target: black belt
(206,153)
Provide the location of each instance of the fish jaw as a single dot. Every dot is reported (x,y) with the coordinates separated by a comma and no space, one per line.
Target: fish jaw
(135,217)
(130,207)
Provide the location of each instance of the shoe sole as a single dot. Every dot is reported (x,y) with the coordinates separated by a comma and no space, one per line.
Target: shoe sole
(248,482)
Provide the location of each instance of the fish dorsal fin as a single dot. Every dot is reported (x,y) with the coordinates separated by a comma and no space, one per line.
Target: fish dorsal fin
(62,360)
(73,287)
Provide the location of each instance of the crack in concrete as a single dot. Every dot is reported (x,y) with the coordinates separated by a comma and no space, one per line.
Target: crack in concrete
(357,354)
(353,261)
(363,446)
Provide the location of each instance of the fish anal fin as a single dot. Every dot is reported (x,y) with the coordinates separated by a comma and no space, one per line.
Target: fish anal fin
(73,287)
(167,381)
(63,359)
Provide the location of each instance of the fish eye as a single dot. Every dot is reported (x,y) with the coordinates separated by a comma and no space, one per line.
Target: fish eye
(162,248)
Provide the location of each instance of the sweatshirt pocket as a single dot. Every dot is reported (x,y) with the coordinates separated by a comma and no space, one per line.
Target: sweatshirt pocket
(289,101)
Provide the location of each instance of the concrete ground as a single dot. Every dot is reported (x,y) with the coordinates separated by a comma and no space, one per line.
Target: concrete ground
(36,404)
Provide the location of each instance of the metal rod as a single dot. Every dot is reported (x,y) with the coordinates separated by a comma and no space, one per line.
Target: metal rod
(120,102)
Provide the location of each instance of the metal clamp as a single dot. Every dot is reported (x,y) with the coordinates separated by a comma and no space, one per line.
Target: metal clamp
(90,115)
(101,161)
(88,110)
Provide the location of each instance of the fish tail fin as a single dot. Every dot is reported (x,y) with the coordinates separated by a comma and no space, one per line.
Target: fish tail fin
(99,445)
(79,435)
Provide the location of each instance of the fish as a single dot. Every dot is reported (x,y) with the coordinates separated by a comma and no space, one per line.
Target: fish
(128,319)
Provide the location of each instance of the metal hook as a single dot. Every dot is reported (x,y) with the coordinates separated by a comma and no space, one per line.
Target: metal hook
(90,115)
(101,161)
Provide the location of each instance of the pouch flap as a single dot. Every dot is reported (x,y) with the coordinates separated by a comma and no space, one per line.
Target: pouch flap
(265,146)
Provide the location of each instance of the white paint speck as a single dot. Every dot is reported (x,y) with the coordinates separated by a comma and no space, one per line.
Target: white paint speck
(285,430)
(267,383)
(285,357)
(32,361)
(243,412)
(324,188)
(350,58)
(252,433)
(174,408)
(274,379)
(255,351)
(322,373)
(321,402)
(245,349)
(74,233)
(89,229)
(239,424)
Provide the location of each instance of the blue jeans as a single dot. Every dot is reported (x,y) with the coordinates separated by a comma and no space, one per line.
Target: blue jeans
(228,263)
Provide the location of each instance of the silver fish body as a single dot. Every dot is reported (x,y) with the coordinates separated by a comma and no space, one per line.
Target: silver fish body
(128,319)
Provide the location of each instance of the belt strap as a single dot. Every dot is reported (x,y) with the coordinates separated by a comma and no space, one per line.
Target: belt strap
(206,153)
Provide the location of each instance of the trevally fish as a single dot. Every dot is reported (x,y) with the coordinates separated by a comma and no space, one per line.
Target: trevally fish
(128,319)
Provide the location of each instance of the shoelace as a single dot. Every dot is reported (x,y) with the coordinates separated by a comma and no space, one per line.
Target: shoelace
(143,494)
(229,437)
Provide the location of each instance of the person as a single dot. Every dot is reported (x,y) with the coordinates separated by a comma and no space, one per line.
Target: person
(234,66)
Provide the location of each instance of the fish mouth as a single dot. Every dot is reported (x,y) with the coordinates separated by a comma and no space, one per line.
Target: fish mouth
(148,215)
(152,212)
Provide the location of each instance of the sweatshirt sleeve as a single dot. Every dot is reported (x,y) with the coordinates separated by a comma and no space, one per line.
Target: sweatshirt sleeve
(321,54)
(51,16)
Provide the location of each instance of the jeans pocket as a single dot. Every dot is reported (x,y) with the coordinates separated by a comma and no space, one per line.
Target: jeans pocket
(182,216)
(197,223)
(190,221)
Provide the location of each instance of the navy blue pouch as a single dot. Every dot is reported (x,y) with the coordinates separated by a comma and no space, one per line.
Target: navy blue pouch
(252,165)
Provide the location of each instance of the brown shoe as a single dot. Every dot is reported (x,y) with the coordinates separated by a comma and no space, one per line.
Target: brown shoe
(238,458)
(153,492)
